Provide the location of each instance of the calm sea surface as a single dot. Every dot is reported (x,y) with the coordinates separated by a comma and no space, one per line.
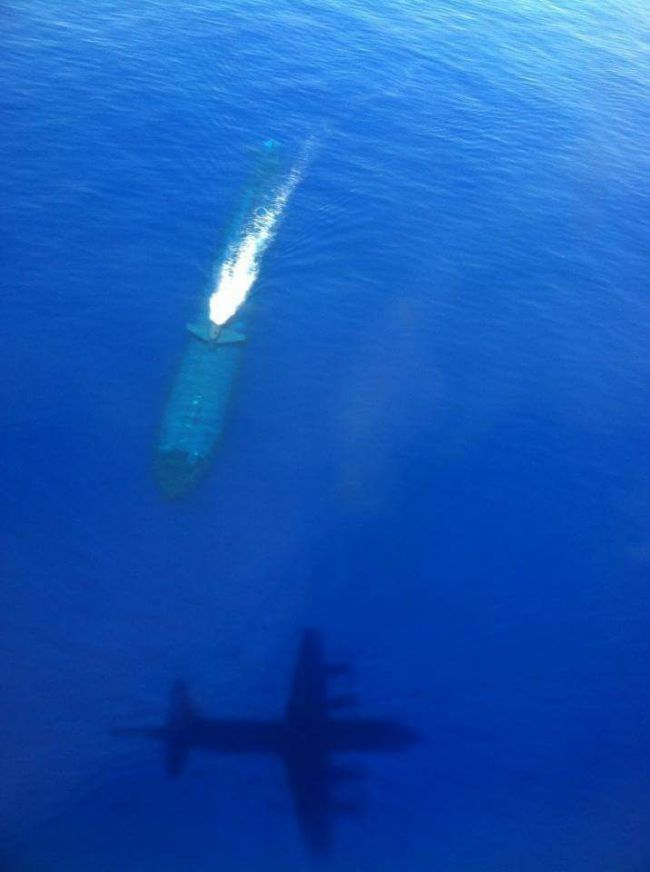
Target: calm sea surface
(438,448)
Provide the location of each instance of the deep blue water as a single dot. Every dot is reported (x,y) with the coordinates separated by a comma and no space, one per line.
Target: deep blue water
(438,451)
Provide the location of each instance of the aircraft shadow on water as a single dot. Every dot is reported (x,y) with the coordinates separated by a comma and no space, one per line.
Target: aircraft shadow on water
(306,739)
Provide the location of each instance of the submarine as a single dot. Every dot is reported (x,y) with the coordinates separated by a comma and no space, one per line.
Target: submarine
(198,403)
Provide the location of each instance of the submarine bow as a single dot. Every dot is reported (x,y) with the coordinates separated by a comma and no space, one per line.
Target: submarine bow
(195,414)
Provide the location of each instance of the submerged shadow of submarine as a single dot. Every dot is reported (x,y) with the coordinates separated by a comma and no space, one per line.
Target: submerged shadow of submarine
(195,413)
(305,739)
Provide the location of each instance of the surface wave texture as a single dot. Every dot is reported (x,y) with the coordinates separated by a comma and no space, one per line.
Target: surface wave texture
(436,452)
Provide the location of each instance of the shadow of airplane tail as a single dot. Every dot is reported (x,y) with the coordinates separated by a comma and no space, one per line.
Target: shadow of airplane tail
(176,734)
(180,719)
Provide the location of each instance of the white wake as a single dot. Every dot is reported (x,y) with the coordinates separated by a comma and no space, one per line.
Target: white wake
(241,267)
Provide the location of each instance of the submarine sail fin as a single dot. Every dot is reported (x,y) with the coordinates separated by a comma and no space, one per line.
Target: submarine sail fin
(207,332)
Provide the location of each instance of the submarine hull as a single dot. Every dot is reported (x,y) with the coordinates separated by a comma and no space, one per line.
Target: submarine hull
(196,411)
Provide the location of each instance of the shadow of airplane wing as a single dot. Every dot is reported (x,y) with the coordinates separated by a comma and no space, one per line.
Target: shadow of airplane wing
(311,791)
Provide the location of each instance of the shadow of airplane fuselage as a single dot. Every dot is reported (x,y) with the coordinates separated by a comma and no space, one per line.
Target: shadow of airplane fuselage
(306,740)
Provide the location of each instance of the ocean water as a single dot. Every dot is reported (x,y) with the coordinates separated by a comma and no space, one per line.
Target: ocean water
(437,453)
